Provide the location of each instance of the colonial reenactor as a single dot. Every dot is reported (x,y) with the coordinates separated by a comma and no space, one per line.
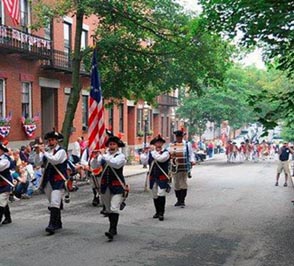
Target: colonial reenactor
(183,159)
(158,175)
(113,184)
(5,184)
(54,159)
(95,170)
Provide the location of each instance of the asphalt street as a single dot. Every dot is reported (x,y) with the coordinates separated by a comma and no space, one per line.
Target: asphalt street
(234,216)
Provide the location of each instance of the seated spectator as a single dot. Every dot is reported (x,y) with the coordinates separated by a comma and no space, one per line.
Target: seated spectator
(21,182)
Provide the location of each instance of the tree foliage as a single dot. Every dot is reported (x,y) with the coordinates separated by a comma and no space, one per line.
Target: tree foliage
(146,48)
(268,24)
(237,101)
(265,23)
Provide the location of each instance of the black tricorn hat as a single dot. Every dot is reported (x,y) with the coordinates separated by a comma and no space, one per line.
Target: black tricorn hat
(109,133)
(54,135)
(116,140)
(3,147)
(179,133)
(156,139)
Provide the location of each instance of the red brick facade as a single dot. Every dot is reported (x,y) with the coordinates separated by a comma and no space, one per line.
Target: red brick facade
(50,87)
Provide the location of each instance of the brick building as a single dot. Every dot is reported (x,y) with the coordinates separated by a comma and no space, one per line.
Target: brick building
(35,81)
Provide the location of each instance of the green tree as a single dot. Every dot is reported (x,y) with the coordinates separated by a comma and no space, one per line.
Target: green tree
(177,52)
(230,102)
(267,24)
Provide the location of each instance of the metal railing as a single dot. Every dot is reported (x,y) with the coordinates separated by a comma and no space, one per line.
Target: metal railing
(167,100)
(60,60)
(16,41)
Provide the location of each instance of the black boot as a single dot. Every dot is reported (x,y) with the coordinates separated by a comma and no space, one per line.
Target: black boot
(103,211)
(155,216)
(178,195)
(1,213)
(58,220)
(183,196)
(113,220)
(161,208)
(96,200)
(53,222)
(7,219)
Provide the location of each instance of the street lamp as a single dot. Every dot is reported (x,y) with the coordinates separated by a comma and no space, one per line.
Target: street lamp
(145,117)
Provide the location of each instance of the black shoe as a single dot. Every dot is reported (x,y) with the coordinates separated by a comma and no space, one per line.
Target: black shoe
(104,213)
(183,205)
(109,235)
(7,221)
(160,217)
(156,216)
(50,230)
(95,202)
(178,204)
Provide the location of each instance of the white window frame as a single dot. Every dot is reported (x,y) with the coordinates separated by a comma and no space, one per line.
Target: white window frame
(22,9)
(2,12)
(30,97)
(4,98)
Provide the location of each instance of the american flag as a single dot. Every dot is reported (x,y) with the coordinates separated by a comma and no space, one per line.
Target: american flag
(97,136)
(12,7)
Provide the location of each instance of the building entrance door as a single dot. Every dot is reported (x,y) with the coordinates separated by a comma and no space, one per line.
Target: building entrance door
(49,112)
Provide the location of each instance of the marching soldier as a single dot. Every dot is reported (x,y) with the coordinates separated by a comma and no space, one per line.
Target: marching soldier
(113,186)
(95,170)
(5,184)
(158,176)
(54,159)
(182,167)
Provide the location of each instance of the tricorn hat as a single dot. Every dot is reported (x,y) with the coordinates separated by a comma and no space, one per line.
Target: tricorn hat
(156,139)
(3,147)
(179,133)
(54,135)
(116,140)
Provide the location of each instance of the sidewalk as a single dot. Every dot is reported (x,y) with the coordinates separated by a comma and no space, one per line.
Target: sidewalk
(133,170)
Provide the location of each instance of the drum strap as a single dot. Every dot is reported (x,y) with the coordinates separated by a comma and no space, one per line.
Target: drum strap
(7,181)
(151,167)
(116,175)
(65,180)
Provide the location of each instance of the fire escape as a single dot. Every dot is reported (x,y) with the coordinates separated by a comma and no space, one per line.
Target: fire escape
(32,47)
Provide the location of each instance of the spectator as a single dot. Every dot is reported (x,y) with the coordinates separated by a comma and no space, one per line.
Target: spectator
(284,153)
(76,151)
(21,182)
(25,153)
(144,156)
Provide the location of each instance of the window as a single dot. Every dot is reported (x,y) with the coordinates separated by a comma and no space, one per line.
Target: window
(161,126)
(67,42)
(121,118)
(110,118)
(47,30)
(26,102)
(167,127)
(139,120)
(1,13)
(2,98)
(84,39)
(150,121)
(85,111)
(24,15)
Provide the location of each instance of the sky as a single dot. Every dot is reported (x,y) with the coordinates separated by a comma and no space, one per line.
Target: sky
(253,58)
